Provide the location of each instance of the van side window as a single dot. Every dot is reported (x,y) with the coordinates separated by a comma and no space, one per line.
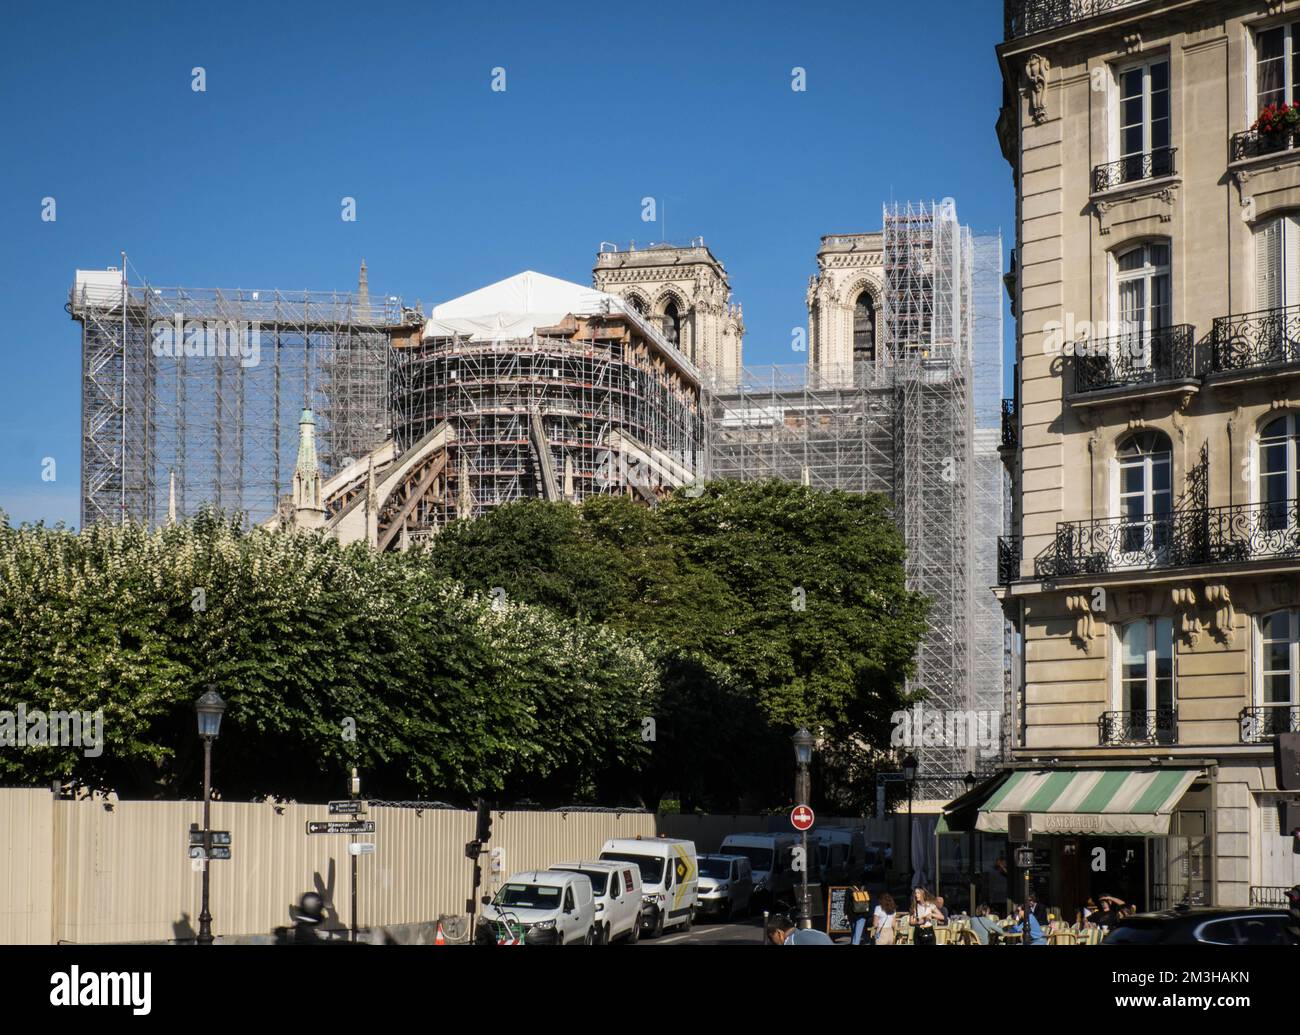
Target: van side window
(668,876)
(735,870)
(614,891)
(568,899)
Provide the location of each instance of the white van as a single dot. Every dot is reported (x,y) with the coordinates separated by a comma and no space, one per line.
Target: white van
(726,886)
(841,853)
(616,889)
(771,857)
(543,907)
(670,877)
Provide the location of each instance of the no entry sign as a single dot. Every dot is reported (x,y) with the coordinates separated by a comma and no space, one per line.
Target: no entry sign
(802,817)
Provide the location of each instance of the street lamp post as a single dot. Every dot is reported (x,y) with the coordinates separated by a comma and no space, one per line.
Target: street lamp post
(210,708)
(909,774)
(970,780)
(803,749)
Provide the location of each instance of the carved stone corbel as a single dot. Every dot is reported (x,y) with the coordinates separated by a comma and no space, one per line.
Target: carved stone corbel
(1189,621)
(1085,626)
(1225,618)
(1036,69)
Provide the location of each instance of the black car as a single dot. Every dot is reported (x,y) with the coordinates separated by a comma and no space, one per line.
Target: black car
(1204,925)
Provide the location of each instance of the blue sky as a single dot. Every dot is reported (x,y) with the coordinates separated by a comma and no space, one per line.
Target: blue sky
(457,185)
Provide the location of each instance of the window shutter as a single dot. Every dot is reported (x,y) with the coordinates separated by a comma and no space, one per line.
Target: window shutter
(1268,265)
(1290,293)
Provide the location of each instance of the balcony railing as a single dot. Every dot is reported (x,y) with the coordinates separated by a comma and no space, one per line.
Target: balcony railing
(1263,724)
(1194,536)
(1144,356)
(1268,895)
(1010,424)
(1253,144)
(1026,17)
(1008,559)
(1267,338)
(1149,165)
(1152,726)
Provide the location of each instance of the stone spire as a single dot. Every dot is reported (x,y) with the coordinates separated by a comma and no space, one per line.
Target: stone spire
(308,509)
(363,290)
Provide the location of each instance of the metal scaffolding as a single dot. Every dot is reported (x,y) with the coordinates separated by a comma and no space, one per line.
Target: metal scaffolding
(919,423)
(208,385)
(549,416)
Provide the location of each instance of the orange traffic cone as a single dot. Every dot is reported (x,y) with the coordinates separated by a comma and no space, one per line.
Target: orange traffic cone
(439,939)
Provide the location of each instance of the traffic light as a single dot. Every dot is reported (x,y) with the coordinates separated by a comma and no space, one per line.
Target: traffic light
(484,833)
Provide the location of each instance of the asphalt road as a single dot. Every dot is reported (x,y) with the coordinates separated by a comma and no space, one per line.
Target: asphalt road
(736,932)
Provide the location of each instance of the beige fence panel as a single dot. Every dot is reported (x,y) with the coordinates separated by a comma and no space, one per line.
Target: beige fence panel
(26,867)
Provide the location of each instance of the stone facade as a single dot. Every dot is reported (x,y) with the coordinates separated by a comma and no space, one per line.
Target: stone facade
(687,293)
(844,301)
(1151,427)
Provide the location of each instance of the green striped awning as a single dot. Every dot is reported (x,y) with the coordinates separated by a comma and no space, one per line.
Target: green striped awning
(1089,801)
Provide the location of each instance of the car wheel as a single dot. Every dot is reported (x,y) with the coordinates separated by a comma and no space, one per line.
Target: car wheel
(730,913)
(634,935)
(658,928)
(690,919)
(590,937)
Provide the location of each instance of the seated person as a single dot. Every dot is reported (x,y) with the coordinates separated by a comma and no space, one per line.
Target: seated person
(984,924)
(1036,935)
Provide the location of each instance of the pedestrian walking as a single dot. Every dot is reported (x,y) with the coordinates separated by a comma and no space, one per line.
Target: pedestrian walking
(858,905)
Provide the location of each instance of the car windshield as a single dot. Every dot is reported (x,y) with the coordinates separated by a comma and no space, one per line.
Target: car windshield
(599,880)
(717,868)
(652,866)
(759,858)
(529,896)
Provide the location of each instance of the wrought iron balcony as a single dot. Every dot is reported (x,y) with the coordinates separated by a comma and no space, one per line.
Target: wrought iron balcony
(1269,895)
(1010,424)
(1263,724)
(1253,144)
(1183,538)
(1267,338)
(1026,17)
(1009,548)
(1149,165)
(1152,726)
(1141,357)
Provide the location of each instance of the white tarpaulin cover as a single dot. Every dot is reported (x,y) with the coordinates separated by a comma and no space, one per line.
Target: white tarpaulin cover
(514,307)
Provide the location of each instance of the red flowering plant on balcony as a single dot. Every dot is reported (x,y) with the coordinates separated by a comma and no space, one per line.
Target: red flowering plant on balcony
(1278,120)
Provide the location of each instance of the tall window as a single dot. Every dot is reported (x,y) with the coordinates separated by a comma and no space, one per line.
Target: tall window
(1145,498)
(1144,126)
(1277,263)
(1277,73)
(1146,669)
(1278,682)
(1279,471)
(672,323)
(1142,298)
(864,329)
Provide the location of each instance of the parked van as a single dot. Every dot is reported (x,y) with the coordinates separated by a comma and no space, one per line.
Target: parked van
(616,889)
(841,853)
(726,885)
(771,857)
(669,878)
(543,907)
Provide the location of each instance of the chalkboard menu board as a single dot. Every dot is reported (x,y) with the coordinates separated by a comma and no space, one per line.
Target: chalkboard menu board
(838,920)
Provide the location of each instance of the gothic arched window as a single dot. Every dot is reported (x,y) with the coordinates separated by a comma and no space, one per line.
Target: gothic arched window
(864,329)
(672,323)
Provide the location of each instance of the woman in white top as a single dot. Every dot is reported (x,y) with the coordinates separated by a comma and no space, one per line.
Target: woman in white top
(923,916)
(882,922)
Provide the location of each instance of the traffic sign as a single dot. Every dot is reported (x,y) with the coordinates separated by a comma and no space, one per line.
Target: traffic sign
(347,808)
(219,837)
(362,848)
(352,826)
(196,852)
(802,817)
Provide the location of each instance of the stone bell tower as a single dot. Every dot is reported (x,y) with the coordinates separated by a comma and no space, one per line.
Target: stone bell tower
(685,291)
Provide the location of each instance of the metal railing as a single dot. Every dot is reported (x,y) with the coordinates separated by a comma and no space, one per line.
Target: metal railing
(1263,723)
(1010,424)
(1009,553)
(1266,338)
(1199,535)
(1267,895)
(1026,17)
(1149,165)
(1252,143)
(1150,726)
(1143,356)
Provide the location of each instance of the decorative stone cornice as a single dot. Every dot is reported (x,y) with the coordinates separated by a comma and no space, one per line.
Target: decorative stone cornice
(1189,621)
(1079,605)
(1224,624)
